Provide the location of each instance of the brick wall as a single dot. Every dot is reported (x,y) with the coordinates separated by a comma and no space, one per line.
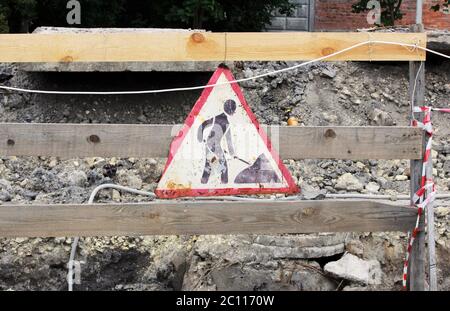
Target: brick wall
(334,15)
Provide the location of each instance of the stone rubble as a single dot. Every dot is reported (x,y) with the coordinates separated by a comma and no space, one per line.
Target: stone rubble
(353,269)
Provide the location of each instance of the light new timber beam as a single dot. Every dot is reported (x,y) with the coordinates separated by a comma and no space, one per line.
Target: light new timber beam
(204,46)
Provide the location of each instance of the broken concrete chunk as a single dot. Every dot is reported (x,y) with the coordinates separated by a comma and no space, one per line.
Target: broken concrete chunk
(354,269)
(329,73)
(349,182)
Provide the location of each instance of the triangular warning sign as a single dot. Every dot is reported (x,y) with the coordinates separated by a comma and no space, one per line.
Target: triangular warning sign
(222,150)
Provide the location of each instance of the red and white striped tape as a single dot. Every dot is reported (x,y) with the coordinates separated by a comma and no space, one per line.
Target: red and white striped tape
(447,110)
(426,193)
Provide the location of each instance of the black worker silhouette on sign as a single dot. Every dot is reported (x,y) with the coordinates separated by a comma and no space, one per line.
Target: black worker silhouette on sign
(219,127)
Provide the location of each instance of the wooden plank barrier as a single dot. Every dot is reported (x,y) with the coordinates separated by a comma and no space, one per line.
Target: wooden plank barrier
(125,140)
(205,46)
(178,217)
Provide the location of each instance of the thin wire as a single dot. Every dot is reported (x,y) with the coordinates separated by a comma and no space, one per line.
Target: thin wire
(94,193)
(22,90)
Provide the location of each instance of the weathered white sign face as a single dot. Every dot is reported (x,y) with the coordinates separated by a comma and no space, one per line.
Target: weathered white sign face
(222,150)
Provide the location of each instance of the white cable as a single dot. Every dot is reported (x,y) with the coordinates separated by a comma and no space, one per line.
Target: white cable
(118,187)
(414,91)
(415,46)
(91,201)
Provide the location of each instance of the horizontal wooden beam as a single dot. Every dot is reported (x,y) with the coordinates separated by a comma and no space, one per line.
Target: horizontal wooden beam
(148,141)
(167,218)
(204,46)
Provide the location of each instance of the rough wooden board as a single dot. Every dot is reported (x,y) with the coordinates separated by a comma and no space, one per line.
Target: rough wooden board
(106,140)
(186,46)
(347,142)
(165,218)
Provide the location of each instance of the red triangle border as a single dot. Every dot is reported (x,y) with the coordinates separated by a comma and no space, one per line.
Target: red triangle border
(177,141)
